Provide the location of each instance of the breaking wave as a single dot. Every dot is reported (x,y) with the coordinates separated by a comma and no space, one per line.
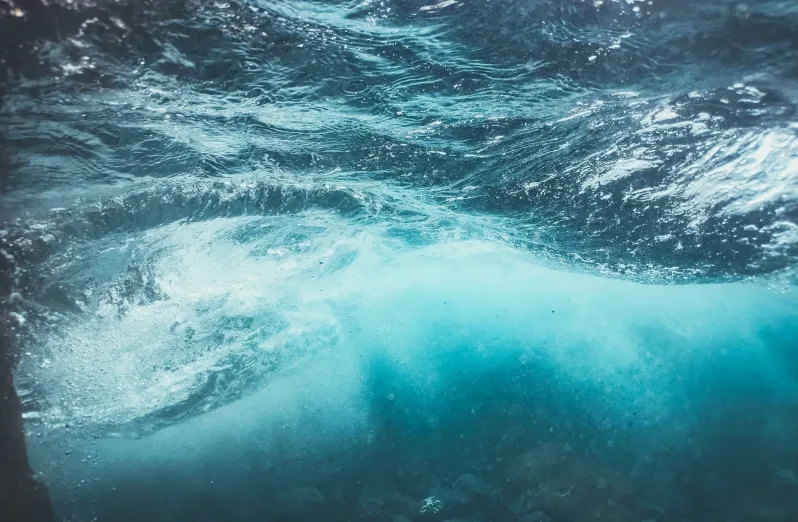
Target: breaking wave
(375,259)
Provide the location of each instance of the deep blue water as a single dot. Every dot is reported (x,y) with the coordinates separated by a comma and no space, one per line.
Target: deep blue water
(486,260)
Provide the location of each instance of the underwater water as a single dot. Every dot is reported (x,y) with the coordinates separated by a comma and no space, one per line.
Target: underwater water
(404,260)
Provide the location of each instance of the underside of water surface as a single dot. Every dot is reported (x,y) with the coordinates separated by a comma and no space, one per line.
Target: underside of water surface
(403,260)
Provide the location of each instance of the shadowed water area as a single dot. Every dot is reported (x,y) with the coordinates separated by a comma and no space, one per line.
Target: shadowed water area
(403,260)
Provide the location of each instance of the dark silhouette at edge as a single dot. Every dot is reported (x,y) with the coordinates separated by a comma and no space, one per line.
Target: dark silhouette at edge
(22,497)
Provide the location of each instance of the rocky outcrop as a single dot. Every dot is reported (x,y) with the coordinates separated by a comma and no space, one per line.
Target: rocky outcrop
(22,498)
(381,503)
(536,516)
(555,479)
(301,501)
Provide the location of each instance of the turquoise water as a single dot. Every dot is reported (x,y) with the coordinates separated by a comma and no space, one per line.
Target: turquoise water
(389,261)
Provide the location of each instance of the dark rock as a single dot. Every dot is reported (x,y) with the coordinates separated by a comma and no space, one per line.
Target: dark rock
(375,503)
(472,486)
(301,501)
(558,480)
(370,508)
(22,497)
(401,504)
(536,516)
